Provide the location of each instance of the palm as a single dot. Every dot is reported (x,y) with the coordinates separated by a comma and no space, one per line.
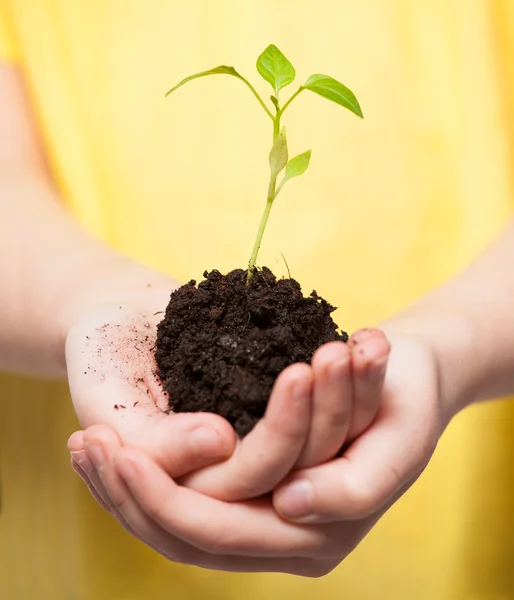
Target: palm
(111,371)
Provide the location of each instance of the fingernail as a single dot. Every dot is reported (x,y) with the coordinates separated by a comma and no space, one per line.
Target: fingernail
(81,459)
(96,455)
(295,500)
(207,440)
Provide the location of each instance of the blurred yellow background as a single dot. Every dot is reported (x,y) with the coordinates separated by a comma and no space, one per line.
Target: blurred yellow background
(390,207)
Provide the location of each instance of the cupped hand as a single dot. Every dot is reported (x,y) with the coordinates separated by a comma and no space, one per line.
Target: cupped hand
(344,395)
(111,371)
(312,410)
(345,496)
(386,458)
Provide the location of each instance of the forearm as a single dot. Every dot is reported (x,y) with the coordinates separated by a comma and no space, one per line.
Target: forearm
(52,272)
(469,322)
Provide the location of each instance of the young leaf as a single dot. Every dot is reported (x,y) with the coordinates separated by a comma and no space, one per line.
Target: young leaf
(274,67)
(329,88)
(298,165)
(278,155)
(221,70)
(274,101)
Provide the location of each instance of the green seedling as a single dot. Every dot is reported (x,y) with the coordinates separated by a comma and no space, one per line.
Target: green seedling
(276,69)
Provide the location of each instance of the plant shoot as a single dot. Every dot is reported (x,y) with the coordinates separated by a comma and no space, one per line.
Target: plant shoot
(276,69)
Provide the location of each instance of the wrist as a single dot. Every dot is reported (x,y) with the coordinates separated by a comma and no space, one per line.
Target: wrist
(452,339)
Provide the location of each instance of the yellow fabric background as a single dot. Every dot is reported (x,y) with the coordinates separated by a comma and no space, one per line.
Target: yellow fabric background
(7,49)
(390,207)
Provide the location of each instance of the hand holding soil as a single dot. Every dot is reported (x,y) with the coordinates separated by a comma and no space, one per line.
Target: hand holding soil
(111,369)
(111,372)
(332,432)
(342,498)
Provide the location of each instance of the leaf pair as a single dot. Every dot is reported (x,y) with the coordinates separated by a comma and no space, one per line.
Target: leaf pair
(277,70)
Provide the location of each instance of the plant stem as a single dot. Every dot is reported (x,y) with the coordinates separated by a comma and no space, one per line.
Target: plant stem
(261,102)
(280,186)
(272,194)
(258,239)
(276,126)
(281,112)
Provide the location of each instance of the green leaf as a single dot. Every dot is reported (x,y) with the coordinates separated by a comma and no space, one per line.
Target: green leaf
(274,67)
(298,165)
(221,70)
(329,88)
(274,101)
(278,155)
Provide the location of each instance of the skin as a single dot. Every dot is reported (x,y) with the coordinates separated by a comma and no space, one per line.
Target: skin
(89,286)
(285,498)
(255,531)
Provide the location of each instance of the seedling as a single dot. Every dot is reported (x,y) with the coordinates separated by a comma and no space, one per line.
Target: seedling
(276,69)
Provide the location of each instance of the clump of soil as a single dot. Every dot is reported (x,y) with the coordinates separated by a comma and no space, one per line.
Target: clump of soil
(222,343)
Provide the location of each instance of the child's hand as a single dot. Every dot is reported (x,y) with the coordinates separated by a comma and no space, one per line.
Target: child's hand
(111,375)
(347,495)
(386,459)
(347,380)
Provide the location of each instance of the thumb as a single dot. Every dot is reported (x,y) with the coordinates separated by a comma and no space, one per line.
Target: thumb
(179,443)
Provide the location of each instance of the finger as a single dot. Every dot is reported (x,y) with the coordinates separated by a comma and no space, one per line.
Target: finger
(138,524)
(390,454)
(143,528)
(332,404)
(86,470)
(178,445)
(85,478)
(370,353)
(101,445)
(246,529)
(180,450)
(146,529)
(76,442)
(270,450)
(185,442)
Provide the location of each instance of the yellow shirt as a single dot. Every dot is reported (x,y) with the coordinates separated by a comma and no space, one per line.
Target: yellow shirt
(390,207)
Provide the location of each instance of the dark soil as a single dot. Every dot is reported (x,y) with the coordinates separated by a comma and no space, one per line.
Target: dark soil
(222,343)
